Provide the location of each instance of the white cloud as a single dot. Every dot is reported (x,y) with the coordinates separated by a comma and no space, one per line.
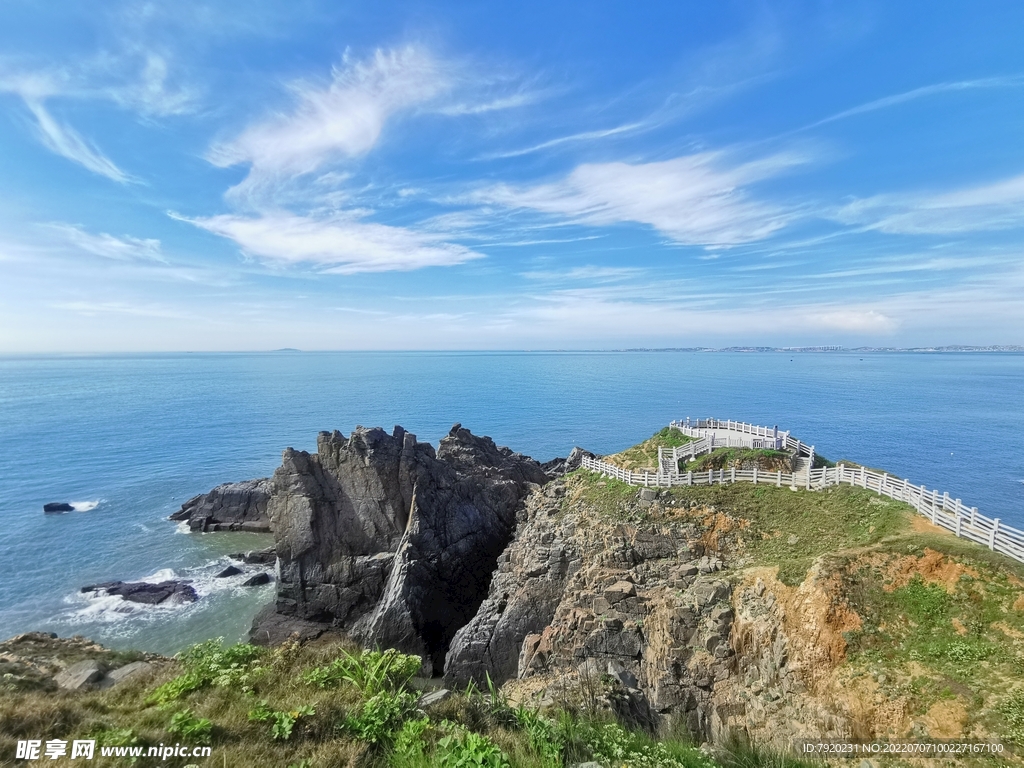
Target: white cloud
(104,77)
(987,207)
(586,273)
(576,137)
(918,93)
(63,140)
(152,94)
(126,248)
(860,321)
(338,244)
(343,119)
(694,200)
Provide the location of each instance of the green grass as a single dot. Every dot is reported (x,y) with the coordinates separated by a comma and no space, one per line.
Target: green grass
(788,529)
(723,458)
(645,454)
(912,627)
(323,705)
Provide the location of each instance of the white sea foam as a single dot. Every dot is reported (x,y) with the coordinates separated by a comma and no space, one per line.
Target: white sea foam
(85,506)
(93,607)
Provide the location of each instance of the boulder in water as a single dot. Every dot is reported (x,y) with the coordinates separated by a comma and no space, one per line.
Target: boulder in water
(145,592)
(57,506)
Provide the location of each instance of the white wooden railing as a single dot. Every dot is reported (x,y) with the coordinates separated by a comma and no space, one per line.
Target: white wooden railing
(740,434)
(940,509)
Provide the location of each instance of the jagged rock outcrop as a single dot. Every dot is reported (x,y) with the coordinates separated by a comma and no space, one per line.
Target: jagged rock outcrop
(578,598)
(561,466)
(382,537)
(229,507)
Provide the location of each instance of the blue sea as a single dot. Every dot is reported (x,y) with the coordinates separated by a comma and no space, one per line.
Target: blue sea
(127,439)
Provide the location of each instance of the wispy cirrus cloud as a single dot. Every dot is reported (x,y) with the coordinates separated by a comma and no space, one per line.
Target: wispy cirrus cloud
(995,206)
(341,119)
(570,139)
(341,244)
(920,93)
(124,248)
(700,199)
(61,139)
(139,81)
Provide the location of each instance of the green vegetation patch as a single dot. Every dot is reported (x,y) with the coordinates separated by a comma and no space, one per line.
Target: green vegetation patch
(325,704)
(645,455)
(740,458)
(790,529)
(955,636)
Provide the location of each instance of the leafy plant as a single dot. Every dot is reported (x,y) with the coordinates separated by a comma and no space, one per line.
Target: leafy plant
(460,748)
(381,716)
(372,672)
(1013,710)
(410,746)
(281,722)
(211,663)
(190,727)
(545,737)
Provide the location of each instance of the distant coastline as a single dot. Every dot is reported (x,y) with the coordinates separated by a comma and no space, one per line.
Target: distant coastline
(948,348)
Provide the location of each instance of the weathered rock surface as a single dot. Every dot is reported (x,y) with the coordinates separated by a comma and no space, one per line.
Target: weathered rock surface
(561,466)
(231,570)
(256,556)
(57,506)
(390,541)
(84,674)
(577,600)
(128,671)
(145,592)
(258,580)
(229,507)
(42,661)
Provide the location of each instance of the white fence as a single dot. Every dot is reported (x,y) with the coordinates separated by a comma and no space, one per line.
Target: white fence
(743,435)
(940,509)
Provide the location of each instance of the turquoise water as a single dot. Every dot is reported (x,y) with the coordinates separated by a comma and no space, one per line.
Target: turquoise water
(130,438)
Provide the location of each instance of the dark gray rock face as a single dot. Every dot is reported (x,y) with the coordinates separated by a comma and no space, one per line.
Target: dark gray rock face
(380,536)
(229,507)
(583,595)
(144,592)
(256,556)
(258,580)
(57,506)
(231,570)
(561,466)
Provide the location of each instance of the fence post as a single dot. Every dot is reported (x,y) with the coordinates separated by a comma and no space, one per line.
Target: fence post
(778,480)
(881,487)
(959,522)
(733,477)
(992,534)
(863,478)
(974,517)
(689,477)
(904,494)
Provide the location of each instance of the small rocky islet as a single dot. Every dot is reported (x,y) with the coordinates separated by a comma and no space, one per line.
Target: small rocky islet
(740,613)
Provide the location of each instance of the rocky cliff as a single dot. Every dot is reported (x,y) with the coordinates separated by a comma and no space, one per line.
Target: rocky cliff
(382,537)
(578,598)
(760,613)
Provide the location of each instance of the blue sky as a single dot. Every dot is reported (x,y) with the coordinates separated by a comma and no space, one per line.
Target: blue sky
(532,175)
